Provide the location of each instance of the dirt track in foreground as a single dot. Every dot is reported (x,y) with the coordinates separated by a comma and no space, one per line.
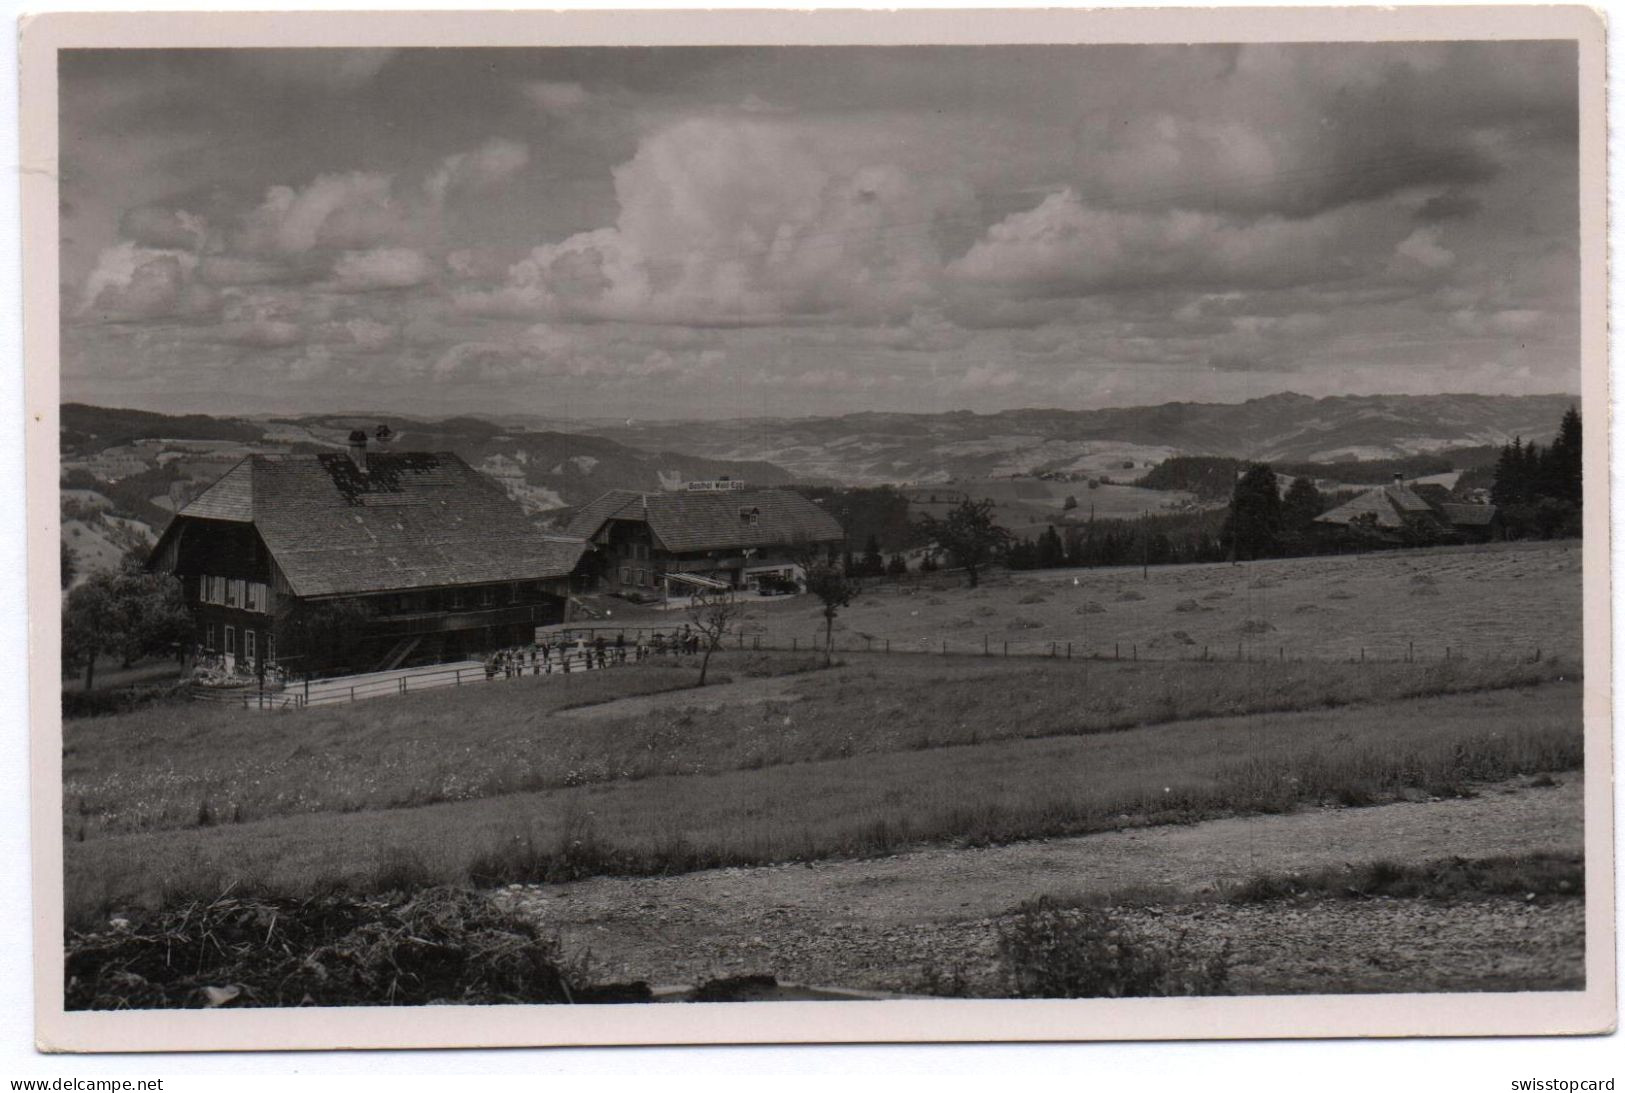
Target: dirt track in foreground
(886,924)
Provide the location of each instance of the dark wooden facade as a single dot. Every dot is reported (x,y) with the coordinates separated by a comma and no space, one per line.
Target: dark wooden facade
(307,565)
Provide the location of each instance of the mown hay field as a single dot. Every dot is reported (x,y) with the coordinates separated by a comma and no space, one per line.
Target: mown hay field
(1501,600)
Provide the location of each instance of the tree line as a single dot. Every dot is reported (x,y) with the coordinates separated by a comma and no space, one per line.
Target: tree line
(1540,491)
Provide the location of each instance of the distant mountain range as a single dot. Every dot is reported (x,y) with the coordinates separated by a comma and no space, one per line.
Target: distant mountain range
(548,464)
(544,470)
(930,448)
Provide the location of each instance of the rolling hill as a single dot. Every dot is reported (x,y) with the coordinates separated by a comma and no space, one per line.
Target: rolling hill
(925,448)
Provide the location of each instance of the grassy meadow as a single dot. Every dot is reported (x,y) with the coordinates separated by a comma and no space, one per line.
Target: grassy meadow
(1503,600)
(996,791)
(165,768)
(635,771)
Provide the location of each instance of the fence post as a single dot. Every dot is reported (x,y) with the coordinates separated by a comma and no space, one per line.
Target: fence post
(352,692)
(403,685)
(1282,650)
(1117,650)
(1007,648)
(868,643)
(984,645)
(459,682)
(793,645)
(888,645)
(1362,654)
(758,642)
(944,646)
(1204,652)
(1136,650)
(1410,652)
(1069,650)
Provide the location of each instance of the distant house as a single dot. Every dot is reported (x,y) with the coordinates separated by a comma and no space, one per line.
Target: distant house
(1390,509)
(428,560)
(711,535)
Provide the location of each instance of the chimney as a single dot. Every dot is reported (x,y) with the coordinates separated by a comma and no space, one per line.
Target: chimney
(358,450)
(1399,480)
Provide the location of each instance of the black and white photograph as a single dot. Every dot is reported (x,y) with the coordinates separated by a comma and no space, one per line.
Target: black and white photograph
(606,528)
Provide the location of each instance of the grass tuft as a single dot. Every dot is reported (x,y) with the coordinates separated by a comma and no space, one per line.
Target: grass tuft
(1051,951)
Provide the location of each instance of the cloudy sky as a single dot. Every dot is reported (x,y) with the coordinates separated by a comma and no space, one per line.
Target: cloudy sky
(733,232)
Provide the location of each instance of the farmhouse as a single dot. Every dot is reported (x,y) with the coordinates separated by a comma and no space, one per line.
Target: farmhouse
(708,535)
(366,561)
(1391,509)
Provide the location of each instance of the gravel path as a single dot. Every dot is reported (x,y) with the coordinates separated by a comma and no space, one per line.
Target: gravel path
(880,924)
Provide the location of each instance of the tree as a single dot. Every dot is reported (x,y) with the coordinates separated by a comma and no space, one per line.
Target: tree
(874,563)
(715,614)
(896,566)
(127,611)
(1070,503)
(1051,552)
(1567,479)
(835,591)
(970,535)
(92,622)
(1298,511)
(1541,490)
(1254,524)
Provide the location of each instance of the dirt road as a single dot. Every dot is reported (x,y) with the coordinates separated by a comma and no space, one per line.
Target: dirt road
(887,924)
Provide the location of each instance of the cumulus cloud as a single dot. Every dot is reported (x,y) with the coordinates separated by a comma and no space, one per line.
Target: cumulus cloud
(152,226)
(325,71)
(735,221)
(132,282)
(351,210)
(1507,321)
(555,97)
(1065,247)
(382,268)
(1421,254)
(489,165)
(988,377)
(260,334)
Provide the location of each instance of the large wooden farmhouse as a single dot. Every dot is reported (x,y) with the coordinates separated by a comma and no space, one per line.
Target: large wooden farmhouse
(711,535)
(1389,510)
(362,560)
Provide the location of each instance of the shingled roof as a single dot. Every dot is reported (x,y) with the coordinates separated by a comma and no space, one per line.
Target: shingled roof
(413,520)
(1391,505)
(685,521)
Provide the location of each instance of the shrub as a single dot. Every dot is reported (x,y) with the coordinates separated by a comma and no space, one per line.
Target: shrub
(77,704)
(1050,951)
(1033,597)
(439,945)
